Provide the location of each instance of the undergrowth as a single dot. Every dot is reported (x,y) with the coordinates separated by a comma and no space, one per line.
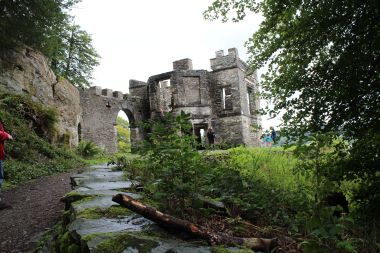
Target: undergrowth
(30,155)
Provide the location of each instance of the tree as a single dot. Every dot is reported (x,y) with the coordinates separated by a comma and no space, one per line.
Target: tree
(46,26)
(323,60)
(76,59)
(33,23)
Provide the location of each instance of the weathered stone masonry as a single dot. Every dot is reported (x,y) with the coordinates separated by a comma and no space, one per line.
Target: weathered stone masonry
(225,99)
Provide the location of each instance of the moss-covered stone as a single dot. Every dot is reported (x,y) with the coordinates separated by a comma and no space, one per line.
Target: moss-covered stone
(73,197)
(221,249)
(66,244)
(97,213)
(123,241)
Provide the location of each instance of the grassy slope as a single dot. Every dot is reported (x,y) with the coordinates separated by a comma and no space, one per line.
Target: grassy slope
(30,155)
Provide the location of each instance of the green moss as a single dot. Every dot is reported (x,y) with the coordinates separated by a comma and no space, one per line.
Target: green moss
(72,197)
(120,242)
(117,211)
(221,249)
(66,243)
(43,241)
(92,236)
(73,248)
(91,213)
(85,199)
(97,213)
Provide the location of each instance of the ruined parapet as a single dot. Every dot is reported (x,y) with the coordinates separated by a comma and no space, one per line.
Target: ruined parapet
(138,88)
(231,60)
(184,64)
(96,90)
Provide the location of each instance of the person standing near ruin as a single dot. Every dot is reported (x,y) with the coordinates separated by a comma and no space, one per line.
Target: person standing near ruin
(3,137)
(211,137)
(273,134)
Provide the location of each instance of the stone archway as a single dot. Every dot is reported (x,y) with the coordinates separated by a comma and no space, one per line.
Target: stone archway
(99,112)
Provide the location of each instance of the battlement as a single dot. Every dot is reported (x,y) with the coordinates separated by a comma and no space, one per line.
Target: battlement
(222,61)
(98,91)
(184,64)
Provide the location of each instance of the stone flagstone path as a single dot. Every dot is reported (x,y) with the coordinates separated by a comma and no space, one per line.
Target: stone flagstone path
(97,224)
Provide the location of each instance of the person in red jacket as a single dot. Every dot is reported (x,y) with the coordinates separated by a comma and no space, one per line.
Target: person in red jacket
(3,137)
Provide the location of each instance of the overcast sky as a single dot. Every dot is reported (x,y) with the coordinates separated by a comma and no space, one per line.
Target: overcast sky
(138,39)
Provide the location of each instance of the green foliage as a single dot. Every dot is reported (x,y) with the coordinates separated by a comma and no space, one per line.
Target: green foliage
(34,23)
(76,59)
(323,74)
(327,233)
(123,135)
(318,160)
(87,149)
(41,118)
(174,166)
(258,184)
(46,26)
(130,164)
(30,155)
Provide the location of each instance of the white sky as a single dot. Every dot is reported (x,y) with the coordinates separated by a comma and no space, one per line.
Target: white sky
(138,39)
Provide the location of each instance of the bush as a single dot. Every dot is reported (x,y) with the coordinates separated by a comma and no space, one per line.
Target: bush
(87,149)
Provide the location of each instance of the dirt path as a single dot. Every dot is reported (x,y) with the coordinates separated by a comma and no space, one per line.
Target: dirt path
(36,207)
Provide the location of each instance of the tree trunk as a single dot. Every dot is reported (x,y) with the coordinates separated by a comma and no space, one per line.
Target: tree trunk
(167,221)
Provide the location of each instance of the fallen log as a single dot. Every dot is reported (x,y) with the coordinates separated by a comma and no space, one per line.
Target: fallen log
(170,222)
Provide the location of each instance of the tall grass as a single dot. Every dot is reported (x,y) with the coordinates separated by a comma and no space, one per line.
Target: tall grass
(274,166)
(258,184)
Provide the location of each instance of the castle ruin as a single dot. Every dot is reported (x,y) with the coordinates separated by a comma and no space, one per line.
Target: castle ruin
(224,98)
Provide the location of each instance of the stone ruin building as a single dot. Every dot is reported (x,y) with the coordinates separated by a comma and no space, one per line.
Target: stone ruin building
(224,98)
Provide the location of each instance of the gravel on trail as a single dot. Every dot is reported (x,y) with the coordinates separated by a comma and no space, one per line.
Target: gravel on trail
(36,208)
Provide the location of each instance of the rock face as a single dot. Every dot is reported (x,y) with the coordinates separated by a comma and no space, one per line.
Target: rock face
(67,103)
(25,70)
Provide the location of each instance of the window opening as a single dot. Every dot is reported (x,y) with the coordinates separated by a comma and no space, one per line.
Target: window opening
(224,98)
(164,83)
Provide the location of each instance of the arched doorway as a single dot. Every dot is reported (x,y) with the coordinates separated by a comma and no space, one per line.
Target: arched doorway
(123,132)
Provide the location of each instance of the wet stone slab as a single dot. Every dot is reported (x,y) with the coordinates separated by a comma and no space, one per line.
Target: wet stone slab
(124,232)
(101,202)
(130,243)
(84,227)
(97,176)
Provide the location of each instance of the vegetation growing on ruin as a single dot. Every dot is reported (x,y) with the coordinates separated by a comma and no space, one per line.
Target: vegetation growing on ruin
(31,155)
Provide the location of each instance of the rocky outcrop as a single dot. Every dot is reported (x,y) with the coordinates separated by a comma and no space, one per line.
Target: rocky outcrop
(27,71)
(67,103)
